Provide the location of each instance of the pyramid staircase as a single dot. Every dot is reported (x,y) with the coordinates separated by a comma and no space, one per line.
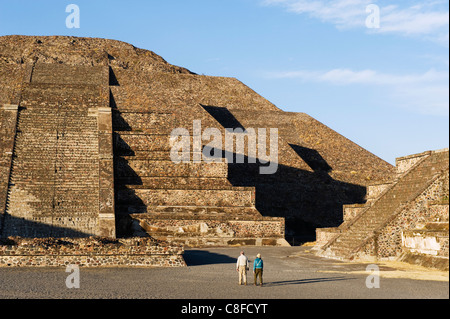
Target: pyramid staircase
(353,235)
(53,187)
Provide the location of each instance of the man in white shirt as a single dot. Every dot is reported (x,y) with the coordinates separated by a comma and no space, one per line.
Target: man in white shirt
(242,267)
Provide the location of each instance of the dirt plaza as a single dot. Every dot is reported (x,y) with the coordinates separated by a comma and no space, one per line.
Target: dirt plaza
(289,273)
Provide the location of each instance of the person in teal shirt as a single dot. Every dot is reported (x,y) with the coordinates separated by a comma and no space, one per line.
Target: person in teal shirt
(258,266)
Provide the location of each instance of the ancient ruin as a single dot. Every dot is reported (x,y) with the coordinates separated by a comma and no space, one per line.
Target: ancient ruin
(85,128)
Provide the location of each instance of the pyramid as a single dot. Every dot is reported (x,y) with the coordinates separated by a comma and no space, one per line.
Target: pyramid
(87,139)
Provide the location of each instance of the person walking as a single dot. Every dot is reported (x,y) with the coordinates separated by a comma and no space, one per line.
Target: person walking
(258,266)
(242,267)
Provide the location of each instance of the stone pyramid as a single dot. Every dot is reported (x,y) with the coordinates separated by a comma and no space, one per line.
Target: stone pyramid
(86,141)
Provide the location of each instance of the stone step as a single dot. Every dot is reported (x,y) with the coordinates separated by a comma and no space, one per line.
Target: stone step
(195,185)
(175,182)
(188,211)
(157,155)
(187,197)
(149,168)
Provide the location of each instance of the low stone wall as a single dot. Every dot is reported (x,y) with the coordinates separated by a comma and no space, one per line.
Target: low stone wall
(324,235)
(350,211)
(406,162)
(89,252)
(375,191)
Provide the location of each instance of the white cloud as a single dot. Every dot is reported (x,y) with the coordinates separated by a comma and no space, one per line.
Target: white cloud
(347,76)
(416,21)
(343,13)
(426,19)
(425,93)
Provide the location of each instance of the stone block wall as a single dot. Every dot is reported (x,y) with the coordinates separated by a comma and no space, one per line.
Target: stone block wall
(159,168)
(165,90)
(239,197)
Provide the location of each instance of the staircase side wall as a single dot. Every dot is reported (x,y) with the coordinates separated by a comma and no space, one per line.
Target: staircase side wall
(8,124)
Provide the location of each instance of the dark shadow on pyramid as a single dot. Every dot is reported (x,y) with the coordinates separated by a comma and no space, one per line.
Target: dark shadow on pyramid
(19,227)
(224,117)
(307,200)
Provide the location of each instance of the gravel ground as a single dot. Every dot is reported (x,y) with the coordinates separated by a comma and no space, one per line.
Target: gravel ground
(290,273)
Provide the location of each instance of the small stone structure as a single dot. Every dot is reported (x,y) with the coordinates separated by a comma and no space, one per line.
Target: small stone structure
(405,219)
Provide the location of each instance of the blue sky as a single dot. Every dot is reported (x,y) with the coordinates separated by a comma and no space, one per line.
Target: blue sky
(384,88)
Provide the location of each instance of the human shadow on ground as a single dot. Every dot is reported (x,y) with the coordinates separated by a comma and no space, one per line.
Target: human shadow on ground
(200,257)
(305,281)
